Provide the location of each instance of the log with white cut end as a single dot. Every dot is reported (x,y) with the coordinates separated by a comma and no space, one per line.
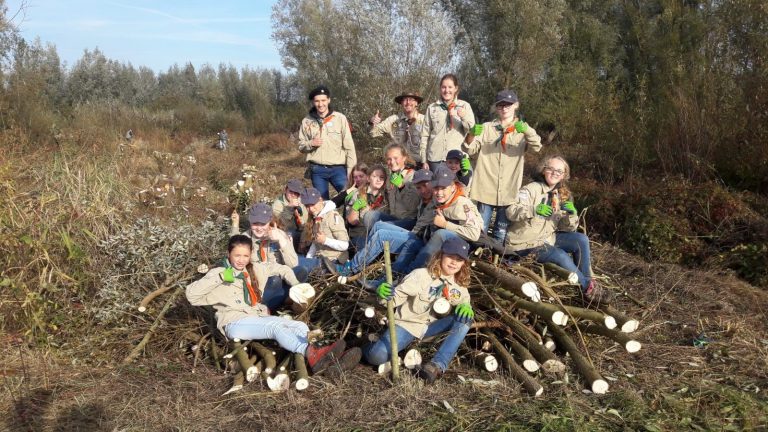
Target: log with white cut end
(412,358)
(631,345)
(596,317)
(569,276)
(522,353)
(280,382)
(628,325)
(441,306)
(267,356)
(484,360)
(386,367)
(165,287)
(518,286)
(529,384)
(302,376)
(550,344)
(596,382)
(548,360)
(301,294)
(245,362)
(237,384)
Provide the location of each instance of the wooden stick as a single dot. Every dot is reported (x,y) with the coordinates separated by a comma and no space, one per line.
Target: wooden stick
(529,384)
(167,284)
(302,376)
(569,276)
(246,363)
(631,345)
(523,355)
(391,318)
(484,360)
(515,284)
(596,382)
(628,325)
(269,359)
(136,351)
(549,361)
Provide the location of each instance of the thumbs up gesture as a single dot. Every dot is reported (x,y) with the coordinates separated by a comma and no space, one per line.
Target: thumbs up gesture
(376,119)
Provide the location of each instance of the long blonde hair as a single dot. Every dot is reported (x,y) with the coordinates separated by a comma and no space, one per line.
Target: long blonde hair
(461,277)
(563,191)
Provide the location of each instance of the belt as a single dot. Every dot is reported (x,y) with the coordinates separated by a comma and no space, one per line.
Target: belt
(327,166)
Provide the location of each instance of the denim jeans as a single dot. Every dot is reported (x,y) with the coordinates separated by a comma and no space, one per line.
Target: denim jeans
(374,245)
(301,273)
(372,217)
(289,334)
(379,352)
(501,223)
(275,293)
(309,263)
(576,244)
(425,252)
(552,254)
(322,175)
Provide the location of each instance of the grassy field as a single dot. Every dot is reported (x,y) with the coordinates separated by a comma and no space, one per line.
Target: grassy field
(87,232)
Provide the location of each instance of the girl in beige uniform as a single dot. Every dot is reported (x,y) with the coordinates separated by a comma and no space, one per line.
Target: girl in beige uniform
(446,123)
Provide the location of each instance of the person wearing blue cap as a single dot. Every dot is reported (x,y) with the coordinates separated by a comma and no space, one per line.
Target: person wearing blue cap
(290,212)
(326,233)
(418,315)
(458,162)
(500,146)
(325,136)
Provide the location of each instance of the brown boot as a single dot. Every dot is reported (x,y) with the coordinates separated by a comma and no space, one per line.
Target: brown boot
(319,359)
(596,295)
(348,361)
(430,372)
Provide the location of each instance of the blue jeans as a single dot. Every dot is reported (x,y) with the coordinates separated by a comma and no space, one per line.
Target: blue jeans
(425,252)
(373,216)
(275,293)
(553,254)
(309,263)
(324,174)
(379,352)
(374,245)
(576,244)
(289,334)
(301,273)
(501,223)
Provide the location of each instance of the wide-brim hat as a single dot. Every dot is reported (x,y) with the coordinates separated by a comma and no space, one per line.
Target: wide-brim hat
(415,95)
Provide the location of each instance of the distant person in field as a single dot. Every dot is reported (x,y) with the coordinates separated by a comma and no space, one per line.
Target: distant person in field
(543,222)
(404,128)
(237,297)
(500,146)
(446,123)
(129,136)
(326,138)
(223,140)
(418,314)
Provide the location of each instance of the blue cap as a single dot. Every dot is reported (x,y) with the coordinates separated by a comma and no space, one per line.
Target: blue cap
(319,90)
(260,213)
(310,196)
(456,246)
(422,175)
(295,185)
(455,154)
(506,96)
(443,176)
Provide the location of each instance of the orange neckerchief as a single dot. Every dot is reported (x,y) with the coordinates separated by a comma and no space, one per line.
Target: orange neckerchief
(448,108)
(297,217)
(459,192)
(325,120)
(252,295)
(504,133)
(263,251)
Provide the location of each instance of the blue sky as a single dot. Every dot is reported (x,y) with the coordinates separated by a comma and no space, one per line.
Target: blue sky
(156,34)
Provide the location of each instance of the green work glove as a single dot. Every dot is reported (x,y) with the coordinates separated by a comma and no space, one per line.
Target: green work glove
(544,210)
(228,275)
(385,291)
(521,126)
(477,129)
(359,204)
(464,312)
(396,179)
(466,167)
(349,196)
(569,207)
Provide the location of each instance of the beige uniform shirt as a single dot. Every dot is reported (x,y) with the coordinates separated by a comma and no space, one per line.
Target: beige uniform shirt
(226,298)
(278,258)
(287,215)
(498,172)
(527,229)
(462,217)
(439,136)
(415,295)
(402,132)
(374,203)
(337,148)
(330,223)
(403,201)
(424,217)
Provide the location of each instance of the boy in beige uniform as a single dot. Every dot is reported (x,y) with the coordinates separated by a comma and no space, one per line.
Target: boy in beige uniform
(326,138)
(404,129)
(330,240)
(290,212)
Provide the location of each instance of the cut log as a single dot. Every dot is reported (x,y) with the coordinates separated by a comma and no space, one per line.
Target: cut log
(631,345)
(516,285)
(522,353)
(549,362)
(136,351)
(246,363)
(267,356)
(237,384)
(441,306)
(279,382)
(596,382)
(167,284)
(412,358)
(628,325)
(485,361)
(302,376)
(569,276)
(530,385)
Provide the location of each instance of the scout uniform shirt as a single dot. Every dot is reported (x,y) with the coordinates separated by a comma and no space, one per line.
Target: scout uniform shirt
(277,259)
(404,131)
(442,134)
(424,217)
(415,295)
(229,299)
(337,148)
(402,201)
(461,215)
(498,171)
(291,218)
(529,230)
(330,223)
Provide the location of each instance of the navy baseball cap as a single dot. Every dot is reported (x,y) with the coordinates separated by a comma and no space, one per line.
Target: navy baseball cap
(310,196)
(443,176)
(260,213)
(422,175)
(295,185)
(456,246)
(506,96)
(455,154)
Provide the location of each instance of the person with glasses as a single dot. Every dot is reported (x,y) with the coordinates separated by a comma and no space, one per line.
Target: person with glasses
(543,222)
(500,146)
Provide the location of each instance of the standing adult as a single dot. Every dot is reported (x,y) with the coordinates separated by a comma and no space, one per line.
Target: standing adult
(223,140)
(446,123)
(325,136)
(404,128)
(500,146)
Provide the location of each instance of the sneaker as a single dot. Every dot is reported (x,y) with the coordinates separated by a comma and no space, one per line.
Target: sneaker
(320,358)
(430,372)
(338,269)
(595,294)
(348,361)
